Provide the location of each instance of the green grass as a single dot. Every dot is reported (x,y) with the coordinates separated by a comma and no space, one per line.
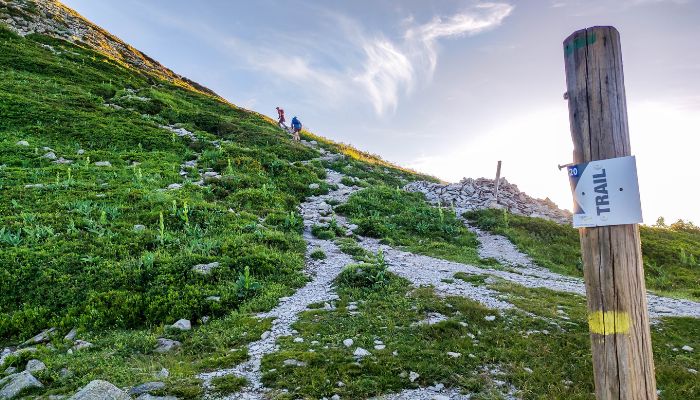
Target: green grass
(404,219)
(671,254)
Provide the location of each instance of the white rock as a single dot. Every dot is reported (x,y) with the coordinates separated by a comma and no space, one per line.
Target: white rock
(205,268)
(314,186)
(348,342)
(15,384)
(528,370)
(692,371)
(182,324)
(22,143)
(298,340)
(335,397)
(294,363)
(413,376)
(490,317)
(379,347)
(166,345)
(34,366)
(174,186)
(103,164)
(360,352)
(453,354)
(50,156)
(81,344)
(102,390)
(139,228)
(687,348)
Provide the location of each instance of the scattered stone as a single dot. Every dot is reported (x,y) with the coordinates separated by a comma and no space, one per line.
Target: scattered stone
(139,228)
(146,388)
(40,338)
(413,376)
(80,152)
(298,340)
(314,186)
(687,348)
(340,384)
(453,354)
(692,371)
(205,319)
(352,307)
(490,317)
(174,186)
(10,370)
(379,347)
(182,324)
(65,373)
(360,352)
(70,336)
(205,268)
(335,397)
(213,298)
(22,143)
(528,370)
(440,397)
(49,156)
(166,345)
(162,374)
(348,342)
(102,390)
(81,344)
(34,185)
(35,366)
(62,160)
(147,396)
(16,384)
(294,363)
(103,164)
(265,335)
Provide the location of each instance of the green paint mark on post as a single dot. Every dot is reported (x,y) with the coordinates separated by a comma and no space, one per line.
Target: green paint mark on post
(577,43)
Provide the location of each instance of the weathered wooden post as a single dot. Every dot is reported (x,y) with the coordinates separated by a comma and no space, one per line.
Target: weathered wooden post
(623,363)
(497,182)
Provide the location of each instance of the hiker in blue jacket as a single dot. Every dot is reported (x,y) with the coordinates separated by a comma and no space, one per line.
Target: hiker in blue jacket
(296,126)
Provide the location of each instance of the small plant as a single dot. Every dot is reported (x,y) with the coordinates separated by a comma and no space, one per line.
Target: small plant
(229,168)
(161,229)
(246,286)
(365,275)
(9,238)
(174,207)
(185,214)
(318,254)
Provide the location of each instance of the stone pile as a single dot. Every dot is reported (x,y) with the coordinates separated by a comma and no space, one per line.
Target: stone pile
(478,194)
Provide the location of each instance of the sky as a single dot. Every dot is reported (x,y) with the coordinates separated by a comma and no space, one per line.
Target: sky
(445,87)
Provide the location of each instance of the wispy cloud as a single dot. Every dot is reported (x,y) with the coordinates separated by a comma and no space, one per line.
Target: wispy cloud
(391,69)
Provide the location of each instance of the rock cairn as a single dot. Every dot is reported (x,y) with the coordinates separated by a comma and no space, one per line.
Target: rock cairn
(478,194)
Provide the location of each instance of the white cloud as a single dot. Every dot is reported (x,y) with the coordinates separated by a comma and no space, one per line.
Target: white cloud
(390,69)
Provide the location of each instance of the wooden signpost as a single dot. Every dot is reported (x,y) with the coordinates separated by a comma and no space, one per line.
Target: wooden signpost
(623,364)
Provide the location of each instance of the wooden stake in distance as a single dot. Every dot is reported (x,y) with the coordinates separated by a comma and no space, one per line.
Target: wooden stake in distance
(623,365)
(498,181)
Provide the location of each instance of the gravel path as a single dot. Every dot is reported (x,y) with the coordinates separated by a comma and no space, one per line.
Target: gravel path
(418,269)
(315,210)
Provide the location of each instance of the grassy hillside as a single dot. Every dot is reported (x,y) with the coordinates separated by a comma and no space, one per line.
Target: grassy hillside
(671,254)
(108,248)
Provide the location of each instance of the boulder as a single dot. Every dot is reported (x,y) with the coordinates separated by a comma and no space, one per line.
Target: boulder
(146,388)
(71,335)
(205,268)
(40,338)
(166,345)
(182,325)
(81,344)
(34,366)
(16,384)
(100,390)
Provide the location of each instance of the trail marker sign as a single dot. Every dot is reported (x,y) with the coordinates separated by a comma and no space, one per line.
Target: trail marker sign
(606,192)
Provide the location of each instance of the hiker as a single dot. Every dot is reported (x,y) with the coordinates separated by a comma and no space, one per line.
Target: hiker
(281,121)
(296,126)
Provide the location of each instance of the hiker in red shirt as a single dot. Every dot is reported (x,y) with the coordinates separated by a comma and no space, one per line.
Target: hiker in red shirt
(280,122)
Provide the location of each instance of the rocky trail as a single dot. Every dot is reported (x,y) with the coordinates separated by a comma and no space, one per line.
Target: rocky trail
(420,270)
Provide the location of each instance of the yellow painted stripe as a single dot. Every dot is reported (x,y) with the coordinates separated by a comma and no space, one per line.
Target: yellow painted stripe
(609,322)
